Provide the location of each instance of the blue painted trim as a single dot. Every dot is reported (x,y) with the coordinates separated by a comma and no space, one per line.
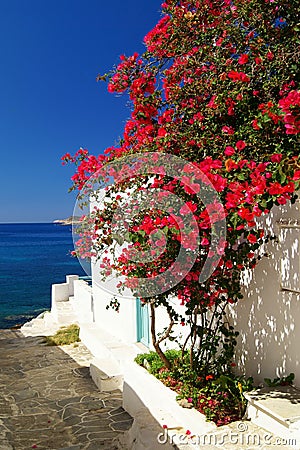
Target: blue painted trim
(142,323)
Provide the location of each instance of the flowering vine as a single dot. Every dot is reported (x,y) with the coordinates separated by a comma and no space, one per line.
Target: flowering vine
(217,86)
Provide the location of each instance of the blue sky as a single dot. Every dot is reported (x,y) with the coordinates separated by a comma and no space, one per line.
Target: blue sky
(51,53)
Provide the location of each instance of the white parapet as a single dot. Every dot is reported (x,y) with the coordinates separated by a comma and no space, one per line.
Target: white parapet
(142,390)
(61,308)
(70,281)
(60,292)
(83,302)
(62,312)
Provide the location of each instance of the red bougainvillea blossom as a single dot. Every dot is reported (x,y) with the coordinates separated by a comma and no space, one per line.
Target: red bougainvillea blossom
(218,87)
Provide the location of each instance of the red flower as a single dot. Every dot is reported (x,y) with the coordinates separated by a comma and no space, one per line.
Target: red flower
(243,59)
(275,188)
(255,125)
(246,214)
(229,264)
(229,151)
(228,130)
(252,238)
(290,105)
(281,200)
(205,241)
(240,145)
(276,158)
(296,175)
(161,132)
(238,76)
(233,75)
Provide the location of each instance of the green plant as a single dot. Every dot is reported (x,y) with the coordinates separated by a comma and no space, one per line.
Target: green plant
(64,336)
(284,381)
(153,363)
(114,304)
(220,399)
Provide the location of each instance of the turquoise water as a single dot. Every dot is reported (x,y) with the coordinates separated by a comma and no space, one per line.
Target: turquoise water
(32,257)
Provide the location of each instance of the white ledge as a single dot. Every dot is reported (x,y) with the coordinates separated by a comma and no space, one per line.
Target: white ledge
(142,390)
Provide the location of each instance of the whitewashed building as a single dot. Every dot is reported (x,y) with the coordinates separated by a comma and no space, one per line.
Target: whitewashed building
(268,317)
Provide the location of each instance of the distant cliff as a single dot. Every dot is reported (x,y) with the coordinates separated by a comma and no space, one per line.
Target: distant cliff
(69,221)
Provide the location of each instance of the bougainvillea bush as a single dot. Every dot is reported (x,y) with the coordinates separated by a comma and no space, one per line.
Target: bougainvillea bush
(218,88)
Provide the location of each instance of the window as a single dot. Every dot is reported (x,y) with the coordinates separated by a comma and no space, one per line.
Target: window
(289,238)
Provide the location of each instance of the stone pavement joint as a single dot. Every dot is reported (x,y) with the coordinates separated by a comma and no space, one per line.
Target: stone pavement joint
(48,400)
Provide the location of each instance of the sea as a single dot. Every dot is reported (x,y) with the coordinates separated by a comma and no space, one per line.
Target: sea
(33,256)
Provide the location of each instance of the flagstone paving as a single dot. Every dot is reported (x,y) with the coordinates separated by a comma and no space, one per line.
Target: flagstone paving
(48,400)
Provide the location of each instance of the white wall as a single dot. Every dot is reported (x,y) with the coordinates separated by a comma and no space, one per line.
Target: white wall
(121,324)
(268,318)
(83,302)
(124,323)
(162,321)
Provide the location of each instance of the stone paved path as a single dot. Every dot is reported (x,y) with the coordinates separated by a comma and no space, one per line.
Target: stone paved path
(48,400)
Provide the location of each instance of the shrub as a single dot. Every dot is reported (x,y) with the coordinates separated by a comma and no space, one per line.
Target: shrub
(64,336)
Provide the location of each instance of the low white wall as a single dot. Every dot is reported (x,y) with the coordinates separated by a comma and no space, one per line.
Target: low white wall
(61,292)
(145,396)
(70,281)
(60,295)
(83,302)
(268,318)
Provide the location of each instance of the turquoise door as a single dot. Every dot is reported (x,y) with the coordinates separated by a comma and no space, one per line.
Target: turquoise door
(142,323)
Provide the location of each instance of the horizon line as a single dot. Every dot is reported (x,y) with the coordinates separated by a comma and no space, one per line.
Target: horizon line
(49,221)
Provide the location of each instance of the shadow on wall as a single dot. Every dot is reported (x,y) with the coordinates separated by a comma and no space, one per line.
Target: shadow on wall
(268,318)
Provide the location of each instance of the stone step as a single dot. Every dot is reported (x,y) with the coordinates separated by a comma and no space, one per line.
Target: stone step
(277,409)
(63,313)
(104,345)
(106,374)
